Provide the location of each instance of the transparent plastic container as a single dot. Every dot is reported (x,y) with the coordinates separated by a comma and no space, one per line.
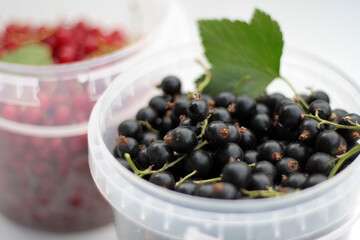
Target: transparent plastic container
(45,182)
(145,211)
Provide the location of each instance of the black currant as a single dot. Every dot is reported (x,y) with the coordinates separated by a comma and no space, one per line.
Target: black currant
(141,160)
(187,187)
(224,99)
(163,179)
(271,151)
(180,106)
(248,139)
(235,134)
(148,137)
(244,108)
(198,160)
(272,100)
(128,145)
(181,139)
(338,114)
(159,153)
(259,181)
(287,166)
(250,156)
(217,132)
(228,152)
(192,125)
(309,129)
(224,190)
(171,85)
(282,102)
(204,190)
(130,128)
(262,108)
(314,179)
(320,163)
(296,180)
(159,104)
(290,115)
(350,135)
(266,168)
(322,107)
(318,95)
(198,110)
(237,173)
(125,163)
(330,142)
(261,124)
(148,114)
(299,151)
(221,114)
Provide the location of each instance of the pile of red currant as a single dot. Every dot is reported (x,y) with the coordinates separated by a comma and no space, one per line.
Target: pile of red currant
(231,147)
(68,43)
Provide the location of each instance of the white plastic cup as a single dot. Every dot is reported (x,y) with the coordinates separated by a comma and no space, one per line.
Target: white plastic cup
(145,211)
(45,182)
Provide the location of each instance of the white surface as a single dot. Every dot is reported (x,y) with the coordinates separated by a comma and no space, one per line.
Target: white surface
(326,28)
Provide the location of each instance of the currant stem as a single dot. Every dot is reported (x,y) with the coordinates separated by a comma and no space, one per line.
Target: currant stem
(184,178)
(203,127)
(200,88)
(336,125)
(342,158)
(305,105)
(262,193)
(148,126)
(131,163)
(211,180)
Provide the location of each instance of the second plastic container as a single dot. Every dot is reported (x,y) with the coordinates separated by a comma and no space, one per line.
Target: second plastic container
(145,211)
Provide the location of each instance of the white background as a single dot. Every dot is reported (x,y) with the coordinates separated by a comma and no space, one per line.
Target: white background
(326,28)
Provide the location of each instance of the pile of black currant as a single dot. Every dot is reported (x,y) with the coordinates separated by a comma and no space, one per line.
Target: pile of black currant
(232,147)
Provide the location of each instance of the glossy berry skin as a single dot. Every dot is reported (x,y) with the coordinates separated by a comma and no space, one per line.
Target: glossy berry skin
(320,163)
(159,104)
(262,108)
(271,151)
(192,125)
(228,152)
(261,124)
(197,110)
(338,114)
(309,129)
(159,153)
(250,156)
(287,166)
(147,114)
(314,179)
(323,108)
(204,190)
(318,95)
(330,142)
(245,108)
(266,168)
(171,85)
(299,151)
(181,139)
(235,136)
(224,99)
(128,145)
(248,139)
(237,173)
(163,179)
(180,106)
(221,114)
(224,190)
(130,128)
(198,160)
(296,180)
(259,181)
(187,187)
(272,100)
(350,135)
(283,102)
(290,115)
(216,132)
(148,137)
(141,161)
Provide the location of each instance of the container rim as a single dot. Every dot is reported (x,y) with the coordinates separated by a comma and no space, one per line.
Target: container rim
(198,203)
(85,65)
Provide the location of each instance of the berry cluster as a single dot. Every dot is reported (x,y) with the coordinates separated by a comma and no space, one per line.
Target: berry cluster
(45,183)
(68,43)
(232,147)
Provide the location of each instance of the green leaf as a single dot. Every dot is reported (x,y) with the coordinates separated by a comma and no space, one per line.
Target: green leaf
(245,57)
(31,54)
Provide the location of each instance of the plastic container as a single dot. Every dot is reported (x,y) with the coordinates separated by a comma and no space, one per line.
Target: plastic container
(45,182)
(145,211)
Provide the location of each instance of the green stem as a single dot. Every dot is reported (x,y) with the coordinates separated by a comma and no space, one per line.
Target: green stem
(252,164)
(148,126)
(184,178)
(132,165)
(203,127)
(342,158)
(262,193)
(211,180)
(336,125)
(306,106)
(200,88)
